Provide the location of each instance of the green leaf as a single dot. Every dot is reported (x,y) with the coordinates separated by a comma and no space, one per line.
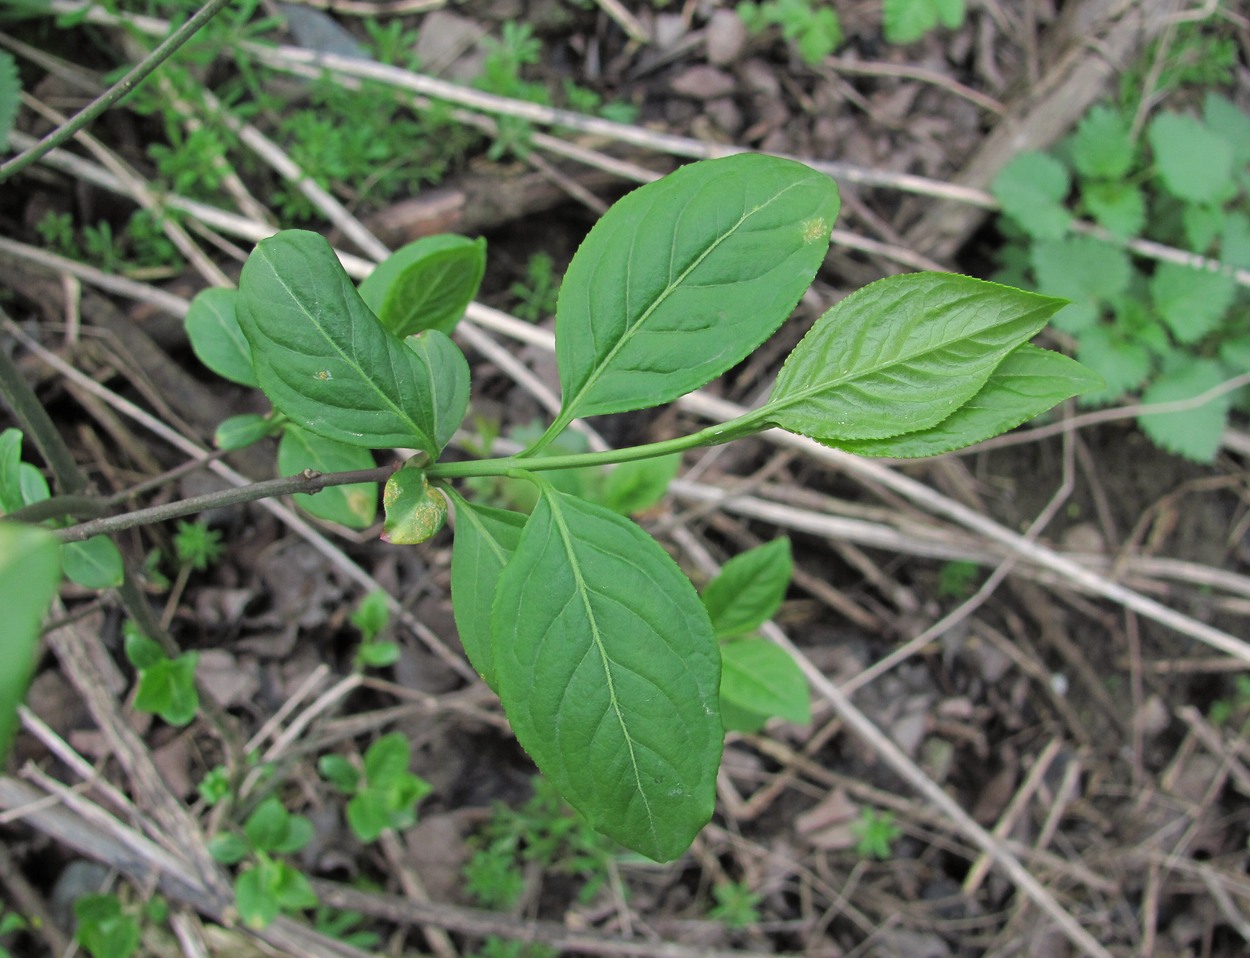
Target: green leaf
(167,688)
(749,589)
(217,339)
(1235,240)
(104,929)
(236,432)
(1193,433)
(354,505)
(1193,163)
(760,678)
(368,815)
(141,651)
(1085,270)
(325,361)
(609,674)
(1118,206)
(255,895)
(905,21)
(427,284)
(292,889)
(1228,122)
(371,615)
(227,848)
(30,571)
(414,511)
(861,371)
(1122,362)
(11,498)
(94,564)
(268,827)
(387,759)
(1102,147)
(633,487)
(1025,384)
(1031,190)
(1192,302)
(485,540)
(685,277)
(339,772)
(10,97)
(1202,225)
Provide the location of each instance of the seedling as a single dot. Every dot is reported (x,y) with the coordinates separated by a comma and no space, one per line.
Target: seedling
(371,617)
(105,928)
(812,29)
(736,905)
(196,545)
(877,833)
(600,649)
(385,794)
(166,686)
(268,885)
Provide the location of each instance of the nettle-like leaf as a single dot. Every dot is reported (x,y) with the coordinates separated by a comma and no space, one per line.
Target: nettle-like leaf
(855,376)
(1084,269)
(609,673)
(217,339)
(1102,147)
(1123,363)
(1192,302)
(1116,205)
(1193,433)
(327,363)
(30,570)
(1194,163)
(684,277)
(354,505)
(749,588)
(1223,118)
(1031,190)
(427,284)
(485,541)
(1025,384)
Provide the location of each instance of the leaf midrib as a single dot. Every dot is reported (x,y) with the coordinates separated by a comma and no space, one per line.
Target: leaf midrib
(395,408)
(583,593)
(632,329)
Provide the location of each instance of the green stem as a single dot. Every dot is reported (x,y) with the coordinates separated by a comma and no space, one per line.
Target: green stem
(118,90)
(745,425)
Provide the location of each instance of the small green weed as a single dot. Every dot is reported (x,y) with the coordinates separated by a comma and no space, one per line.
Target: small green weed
(957,579)
(166,686)
(736,905)
(371,616)
(384,794)
(268,885)
(107,928)
(536,294)
(11,923)
(813,29)
(1166,331)
(877,833)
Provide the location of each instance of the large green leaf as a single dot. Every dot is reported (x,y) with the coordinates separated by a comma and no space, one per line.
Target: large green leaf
(901,355)
(355,505)
(325,361)
(212,325)
(1026,383)
(609,674)
(427,284)
(485,540)
(685,277)
(749,589)
(30,570)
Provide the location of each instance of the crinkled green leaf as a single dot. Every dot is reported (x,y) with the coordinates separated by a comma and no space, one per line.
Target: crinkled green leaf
(749,589)
(609,674)
(1102,147)
(1193,433)
(93,564)
(427,284)
(484,542)
(217,339)
(30,571)
(685,277)
(327,363)
(414,511)
(900,355)
(354,505)
(760,678)
(1194,163)
(1119,206)
(1224,119)
(1191,301)
(1083,269)
(1202,225)
(1025,384)
(1031,190)
(1122,362)
(1235,240)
